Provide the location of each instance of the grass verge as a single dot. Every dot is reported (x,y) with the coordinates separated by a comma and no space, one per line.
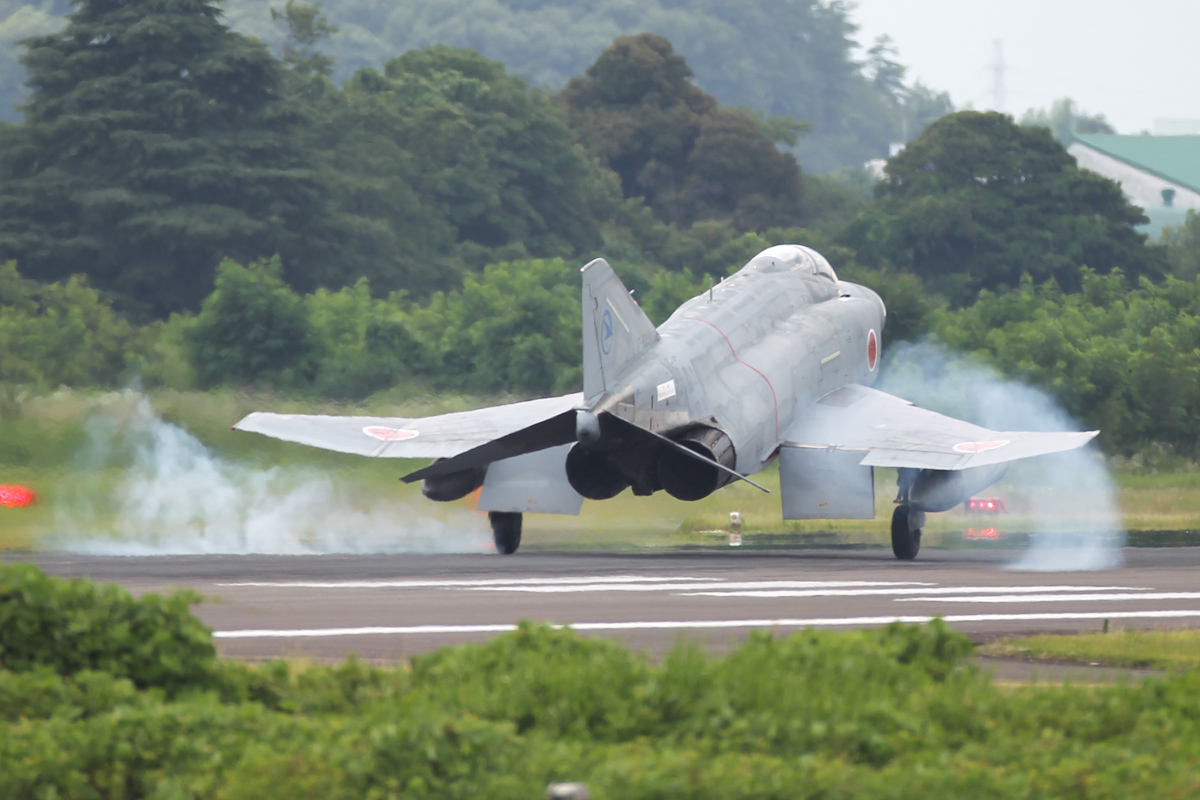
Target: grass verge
(1169,650)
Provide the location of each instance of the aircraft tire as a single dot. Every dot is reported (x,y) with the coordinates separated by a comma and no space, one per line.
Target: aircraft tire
(906,542)
(506,531)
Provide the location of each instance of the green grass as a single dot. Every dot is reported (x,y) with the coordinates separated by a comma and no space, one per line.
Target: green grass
(1163,649)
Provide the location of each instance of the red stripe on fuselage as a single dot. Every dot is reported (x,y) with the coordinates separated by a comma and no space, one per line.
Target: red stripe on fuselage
(738,358)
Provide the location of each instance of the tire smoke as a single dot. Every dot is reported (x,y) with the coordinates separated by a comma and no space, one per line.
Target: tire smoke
(1068,499)
(147,487)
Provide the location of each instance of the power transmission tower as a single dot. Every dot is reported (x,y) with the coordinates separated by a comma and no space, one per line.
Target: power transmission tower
(998,70)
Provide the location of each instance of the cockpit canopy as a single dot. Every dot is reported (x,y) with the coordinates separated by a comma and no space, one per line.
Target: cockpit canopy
(794,257)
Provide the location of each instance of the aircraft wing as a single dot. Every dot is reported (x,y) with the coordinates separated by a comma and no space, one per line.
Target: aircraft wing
(892,432)
(440,436)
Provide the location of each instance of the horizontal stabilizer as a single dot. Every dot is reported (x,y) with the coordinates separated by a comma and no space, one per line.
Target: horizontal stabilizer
(557,430)
(892,432)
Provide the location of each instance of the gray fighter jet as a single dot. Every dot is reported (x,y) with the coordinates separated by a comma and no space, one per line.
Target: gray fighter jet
(773,363)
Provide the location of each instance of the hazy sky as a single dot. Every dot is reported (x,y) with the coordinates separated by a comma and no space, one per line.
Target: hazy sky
(1133,61)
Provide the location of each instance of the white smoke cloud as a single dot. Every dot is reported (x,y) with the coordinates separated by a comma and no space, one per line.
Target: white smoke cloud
(1069,497)
(174,496)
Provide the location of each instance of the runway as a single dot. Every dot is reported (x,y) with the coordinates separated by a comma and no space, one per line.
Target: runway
(388,608)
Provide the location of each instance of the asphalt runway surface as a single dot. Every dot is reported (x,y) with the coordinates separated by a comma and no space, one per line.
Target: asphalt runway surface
(386,608)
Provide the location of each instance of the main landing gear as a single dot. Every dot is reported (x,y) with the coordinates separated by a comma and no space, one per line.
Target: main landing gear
(506,531)
(907,522)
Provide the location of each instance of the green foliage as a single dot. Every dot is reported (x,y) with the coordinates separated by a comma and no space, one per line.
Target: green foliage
(495,157)
(155,141)
(306,26)
(516,328)
(252,328)
(638,113)
(977,201)
(1182,245)
(749,58)
(69,626)
(1124,361)
(889,712)
(62,333)
(1065,118)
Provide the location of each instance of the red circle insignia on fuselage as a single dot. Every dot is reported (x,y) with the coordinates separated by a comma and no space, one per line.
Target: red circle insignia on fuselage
(979,447)
(872,351)
(390,434)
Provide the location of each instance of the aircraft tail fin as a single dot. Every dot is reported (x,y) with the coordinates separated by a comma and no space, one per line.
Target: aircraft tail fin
(615,329)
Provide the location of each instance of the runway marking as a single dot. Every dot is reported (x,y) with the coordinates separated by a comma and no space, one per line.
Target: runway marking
(433,584)
(725,587)
(707,624)
(1055,598)
(615,583)
(1019,592)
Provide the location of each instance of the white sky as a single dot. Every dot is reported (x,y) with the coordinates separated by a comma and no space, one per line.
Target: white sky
(1132,60)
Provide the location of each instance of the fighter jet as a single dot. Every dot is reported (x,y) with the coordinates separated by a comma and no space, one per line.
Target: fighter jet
(774,363)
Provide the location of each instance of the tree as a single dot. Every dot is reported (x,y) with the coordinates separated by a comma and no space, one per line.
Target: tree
(486,342)
(787,59)
(306,26)
(637,111)
(1064,118)
(155,142)
(61,334)
(493,157)
(252,328)
(977,202)
(1182,243)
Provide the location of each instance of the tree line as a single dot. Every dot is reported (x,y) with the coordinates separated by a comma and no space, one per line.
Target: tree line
(180,203)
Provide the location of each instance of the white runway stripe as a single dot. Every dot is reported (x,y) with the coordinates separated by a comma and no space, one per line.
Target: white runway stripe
(616,583)
(1018,592)
(707,624)
(1053,598)
(434,584)
(817,588)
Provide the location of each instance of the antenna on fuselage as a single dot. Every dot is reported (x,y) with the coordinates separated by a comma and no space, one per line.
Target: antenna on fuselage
(710,288)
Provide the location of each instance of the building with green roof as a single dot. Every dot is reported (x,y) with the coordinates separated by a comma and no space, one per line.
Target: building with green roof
(1161,174)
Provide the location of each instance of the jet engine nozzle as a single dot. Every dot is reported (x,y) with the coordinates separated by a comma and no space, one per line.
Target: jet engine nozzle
(587,428)
(593,474)
(687,478)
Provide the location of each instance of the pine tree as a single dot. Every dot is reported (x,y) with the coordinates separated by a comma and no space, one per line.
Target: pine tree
(155,142)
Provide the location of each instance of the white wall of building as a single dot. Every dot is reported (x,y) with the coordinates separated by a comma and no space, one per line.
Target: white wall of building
(1142,188)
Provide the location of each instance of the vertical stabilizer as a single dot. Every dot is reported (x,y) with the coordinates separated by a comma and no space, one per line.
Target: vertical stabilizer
(615,329)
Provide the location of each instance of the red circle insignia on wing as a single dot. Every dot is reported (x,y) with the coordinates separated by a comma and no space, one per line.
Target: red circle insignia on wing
(390,434)
(872,350)
(979,447)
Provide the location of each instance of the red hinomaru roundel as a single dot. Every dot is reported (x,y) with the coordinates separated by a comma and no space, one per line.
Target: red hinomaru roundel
(390,434)
(872,351)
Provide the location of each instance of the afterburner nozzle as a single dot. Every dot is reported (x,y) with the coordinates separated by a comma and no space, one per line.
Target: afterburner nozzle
(587,428)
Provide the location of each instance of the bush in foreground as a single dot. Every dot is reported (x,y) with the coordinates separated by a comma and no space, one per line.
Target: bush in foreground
(891,712)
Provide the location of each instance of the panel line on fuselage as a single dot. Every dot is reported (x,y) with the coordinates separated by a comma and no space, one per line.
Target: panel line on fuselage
(736,357)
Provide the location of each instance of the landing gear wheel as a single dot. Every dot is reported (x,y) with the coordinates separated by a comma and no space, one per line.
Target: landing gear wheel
(906,540)
(506,531)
